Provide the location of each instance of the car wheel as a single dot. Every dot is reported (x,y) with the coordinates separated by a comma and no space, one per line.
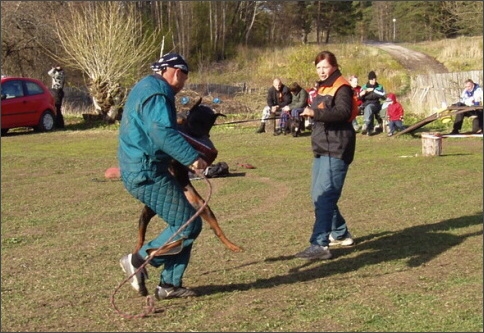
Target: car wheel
(47,122)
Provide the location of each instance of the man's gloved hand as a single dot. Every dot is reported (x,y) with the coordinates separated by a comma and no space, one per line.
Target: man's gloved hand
(199,165)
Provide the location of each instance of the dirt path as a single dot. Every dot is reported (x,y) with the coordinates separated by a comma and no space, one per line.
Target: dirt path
(412,60)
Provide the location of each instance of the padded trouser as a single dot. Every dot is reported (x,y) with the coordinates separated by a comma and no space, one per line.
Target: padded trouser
(165,196)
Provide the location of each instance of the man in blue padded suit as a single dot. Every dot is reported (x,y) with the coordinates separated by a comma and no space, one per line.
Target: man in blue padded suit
(148,141)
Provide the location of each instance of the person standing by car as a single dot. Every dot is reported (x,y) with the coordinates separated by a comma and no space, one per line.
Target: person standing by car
(148,141)
(58,79)
(333,142)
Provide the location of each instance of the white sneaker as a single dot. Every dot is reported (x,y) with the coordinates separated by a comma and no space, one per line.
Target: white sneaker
(138,279)
(348,241)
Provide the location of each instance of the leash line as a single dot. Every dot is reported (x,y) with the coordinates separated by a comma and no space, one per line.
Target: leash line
(245,121)
(150,303)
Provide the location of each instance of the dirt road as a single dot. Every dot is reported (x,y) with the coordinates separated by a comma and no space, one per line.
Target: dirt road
(412,60)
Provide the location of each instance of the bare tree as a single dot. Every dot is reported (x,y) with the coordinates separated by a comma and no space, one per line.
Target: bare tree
(257,8)
(24,26)
(382,13)
(106,41)
(462,17)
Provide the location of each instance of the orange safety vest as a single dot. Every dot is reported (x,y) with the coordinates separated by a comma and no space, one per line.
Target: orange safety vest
(330,91)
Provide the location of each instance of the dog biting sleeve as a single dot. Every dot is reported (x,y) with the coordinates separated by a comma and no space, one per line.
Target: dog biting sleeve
(163,132)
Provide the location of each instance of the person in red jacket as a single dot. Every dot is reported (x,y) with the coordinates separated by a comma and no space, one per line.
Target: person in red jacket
(353,80)
(395,115)
(312,93)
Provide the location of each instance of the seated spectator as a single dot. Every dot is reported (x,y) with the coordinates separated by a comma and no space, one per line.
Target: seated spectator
(278,96)
(292,111)
(394,115)
(353,80)
(312,93)
(384,116)
(470,96)
(371,93)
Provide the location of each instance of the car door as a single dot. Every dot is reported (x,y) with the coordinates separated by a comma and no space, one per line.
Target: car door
(37,99)
(16,111)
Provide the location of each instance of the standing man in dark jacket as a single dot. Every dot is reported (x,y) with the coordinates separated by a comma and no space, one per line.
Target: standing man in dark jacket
(278,96)
(371,93)
(58,79)
(333,142)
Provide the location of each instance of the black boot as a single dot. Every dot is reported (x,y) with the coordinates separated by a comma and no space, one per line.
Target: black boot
(262,128)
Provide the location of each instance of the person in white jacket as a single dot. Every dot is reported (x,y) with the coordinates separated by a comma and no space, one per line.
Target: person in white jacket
(470,96)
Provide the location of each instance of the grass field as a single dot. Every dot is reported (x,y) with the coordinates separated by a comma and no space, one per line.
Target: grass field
(417,221)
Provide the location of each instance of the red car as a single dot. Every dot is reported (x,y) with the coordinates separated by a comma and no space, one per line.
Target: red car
(27,102)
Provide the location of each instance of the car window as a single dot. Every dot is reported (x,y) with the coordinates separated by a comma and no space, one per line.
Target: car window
(33,88)
(12,89)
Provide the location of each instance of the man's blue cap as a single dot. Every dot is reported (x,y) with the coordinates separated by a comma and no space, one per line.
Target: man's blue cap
(173,60)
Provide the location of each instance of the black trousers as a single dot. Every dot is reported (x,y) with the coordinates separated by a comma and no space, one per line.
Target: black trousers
(459,119)
(58,97)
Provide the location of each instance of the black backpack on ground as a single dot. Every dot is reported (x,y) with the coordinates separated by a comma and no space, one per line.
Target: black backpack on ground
(219,169)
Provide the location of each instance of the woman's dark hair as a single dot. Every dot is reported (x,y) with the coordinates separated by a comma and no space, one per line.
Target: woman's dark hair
(328,56)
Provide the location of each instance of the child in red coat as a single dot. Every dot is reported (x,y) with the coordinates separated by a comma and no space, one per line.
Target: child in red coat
(395,115)
(353,80)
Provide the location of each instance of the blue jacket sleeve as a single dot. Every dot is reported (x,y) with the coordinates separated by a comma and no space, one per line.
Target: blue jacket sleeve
(161,122)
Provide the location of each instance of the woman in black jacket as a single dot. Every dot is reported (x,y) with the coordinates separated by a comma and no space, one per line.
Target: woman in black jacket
(333,142)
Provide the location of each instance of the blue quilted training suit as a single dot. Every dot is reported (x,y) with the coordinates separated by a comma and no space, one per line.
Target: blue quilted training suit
(148,140)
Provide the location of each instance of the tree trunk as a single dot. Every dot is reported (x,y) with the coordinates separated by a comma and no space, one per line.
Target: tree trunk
(108,99)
